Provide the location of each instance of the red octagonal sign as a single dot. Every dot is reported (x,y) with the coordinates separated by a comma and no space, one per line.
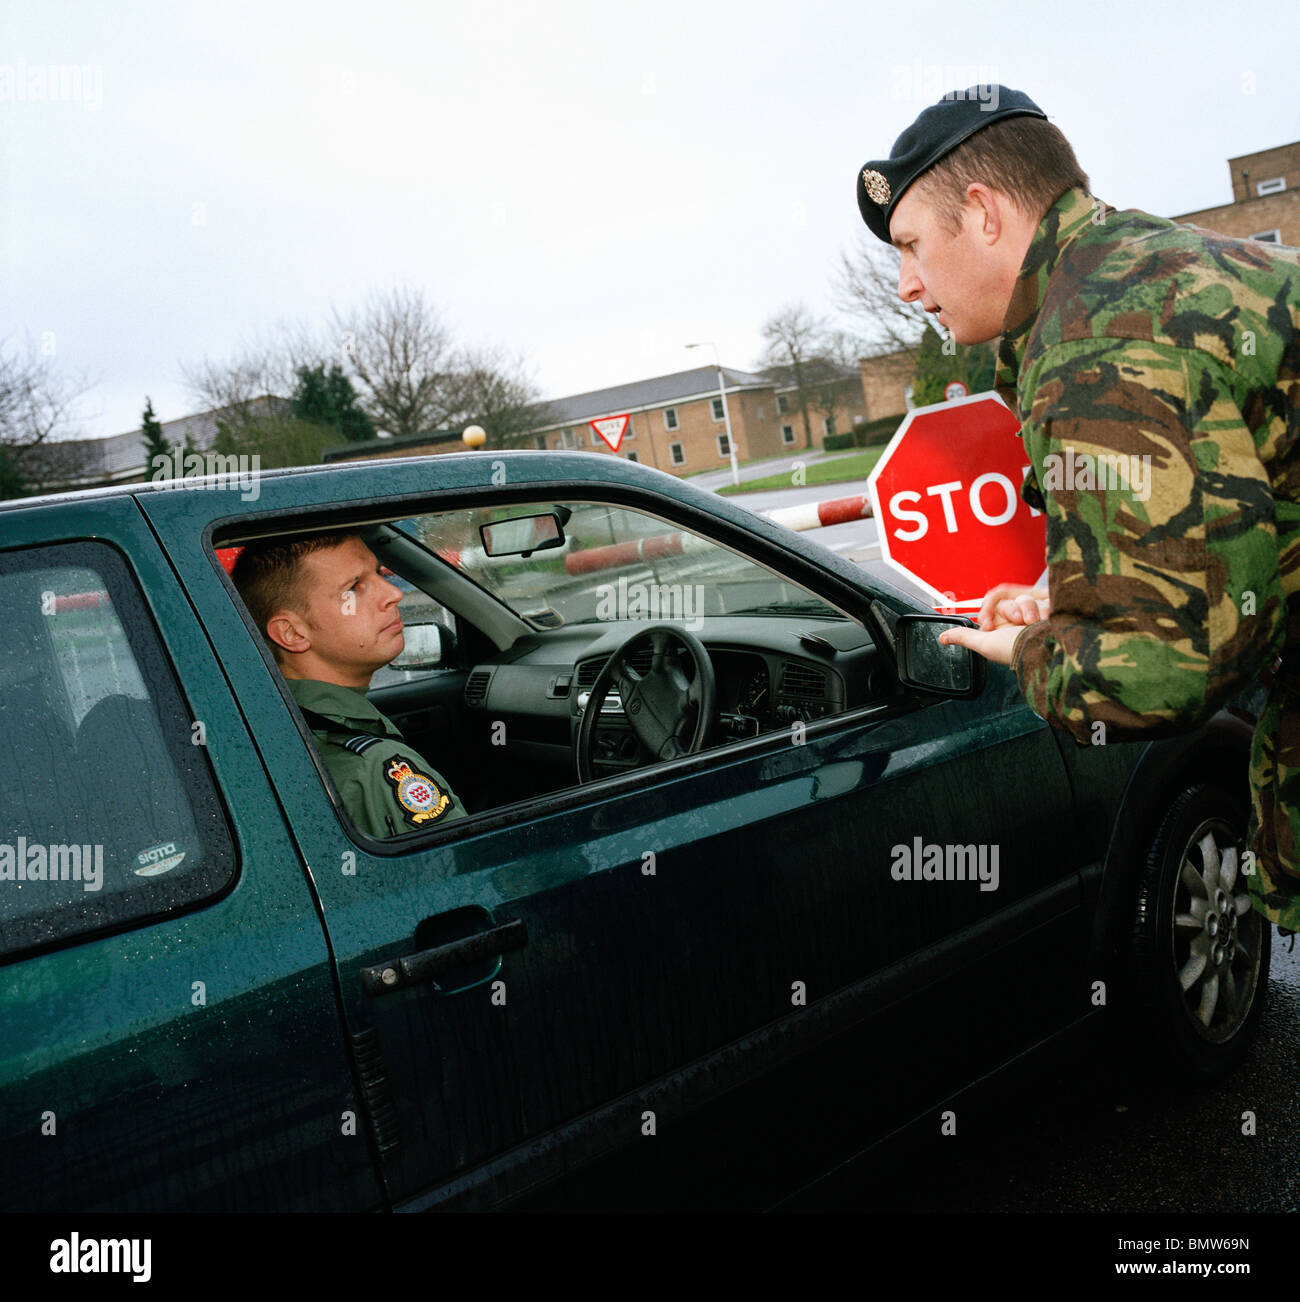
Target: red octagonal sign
(946,497)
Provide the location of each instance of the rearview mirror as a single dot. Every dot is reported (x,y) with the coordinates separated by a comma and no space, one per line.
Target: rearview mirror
(928,665)
(523,535)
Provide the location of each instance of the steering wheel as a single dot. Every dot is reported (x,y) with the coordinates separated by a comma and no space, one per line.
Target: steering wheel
(659,705)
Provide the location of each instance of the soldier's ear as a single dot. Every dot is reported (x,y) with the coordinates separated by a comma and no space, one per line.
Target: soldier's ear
(287,630)
(987,211)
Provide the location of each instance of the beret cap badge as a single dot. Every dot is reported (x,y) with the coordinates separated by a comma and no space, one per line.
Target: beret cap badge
(876,186)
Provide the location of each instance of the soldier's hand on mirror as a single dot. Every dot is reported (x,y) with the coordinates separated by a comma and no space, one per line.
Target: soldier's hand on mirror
(994,645)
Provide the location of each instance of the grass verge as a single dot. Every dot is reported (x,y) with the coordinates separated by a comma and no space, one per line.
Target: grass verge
(842,470)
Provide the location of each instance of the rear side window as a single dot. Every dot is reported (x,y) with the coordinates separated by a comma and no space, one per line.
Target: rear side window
(108,810)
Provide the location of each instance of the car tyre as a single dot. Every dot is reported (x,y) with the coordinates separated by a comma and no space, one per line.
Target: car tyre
(1198,952)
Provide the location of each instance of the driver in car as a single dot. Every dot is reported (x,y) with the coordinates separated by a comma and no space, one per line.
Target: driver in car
(330,617)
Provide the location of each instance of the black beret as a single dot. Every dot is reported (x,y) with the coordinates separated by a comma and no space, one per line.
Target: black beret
(936,132)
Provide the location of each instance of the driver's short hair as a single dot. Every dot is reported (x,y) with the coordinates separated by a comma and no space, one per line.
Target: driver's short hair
(268,575)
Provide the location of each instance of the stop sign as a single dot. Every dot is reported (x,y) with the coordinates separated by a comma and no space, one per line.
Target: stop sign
(946,497)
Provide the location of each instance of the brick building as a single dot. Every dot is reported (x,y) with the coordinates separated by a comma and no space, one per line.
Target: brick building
(887,384)
(1265,198)
(676,422)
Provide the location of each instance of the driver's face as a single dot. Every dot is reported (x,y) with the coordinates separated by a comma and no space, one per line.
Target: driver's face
(349,612)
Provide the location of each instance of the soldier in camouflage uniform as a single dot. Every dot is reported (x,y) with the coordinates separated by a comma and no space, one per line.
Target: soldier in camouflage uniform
(1156,372)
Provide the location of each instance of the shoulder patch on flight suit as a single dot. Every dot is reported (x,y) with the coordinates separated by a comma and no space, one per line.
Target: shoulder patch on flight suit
(419,797)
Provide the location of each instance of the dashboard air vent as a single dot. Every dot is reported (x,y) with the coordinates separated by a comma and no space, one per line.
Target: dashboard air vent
(802,680)
(590,670)
(476,686)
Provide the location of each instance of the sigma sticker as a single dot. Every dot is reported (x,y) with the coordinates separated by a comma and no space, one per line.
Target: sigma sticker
(418,796)
(158,859)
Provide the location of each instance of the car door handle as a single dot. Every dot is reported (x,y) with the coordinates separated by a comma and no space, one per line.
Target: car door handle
(427,964)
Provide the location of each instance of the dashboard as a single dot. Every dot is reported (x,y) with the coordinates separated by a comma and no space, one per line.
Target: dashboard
(770,671)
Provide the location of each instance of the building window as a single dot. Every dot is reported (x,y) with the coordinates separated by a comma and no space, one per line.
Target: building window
(828,423)
(670,418)
(724,446)
(1274,185)
(677,453)
(787,434)
(717,409)
(782,404)
(540,442)
(631,456)
(1268,237)
(568,439)
(596,440)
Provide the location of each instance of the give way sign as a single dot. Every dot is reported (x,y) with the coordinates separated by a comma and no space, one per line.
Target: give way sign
(611,429)
(946,497)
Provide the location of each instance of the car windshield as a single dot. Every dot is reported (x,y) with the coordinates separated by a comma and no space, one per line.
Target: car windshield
(611,563)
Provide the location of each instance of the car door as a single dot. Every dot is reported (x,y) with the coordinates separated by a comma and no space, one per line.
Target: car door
(171,1037)
(556,980)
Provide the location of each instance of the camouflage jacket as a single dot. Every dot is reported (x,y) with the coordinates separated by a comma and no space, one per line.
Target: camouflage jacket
(1154,357)
(1156,372)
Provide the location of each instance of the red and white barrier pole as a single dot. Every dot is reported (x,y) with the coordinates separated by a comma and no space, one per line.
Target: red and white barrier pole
(615,555)
(816,515)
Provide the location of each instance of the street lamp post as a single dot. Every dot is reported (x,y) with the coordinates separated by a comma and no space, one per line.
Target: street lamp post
(726,414)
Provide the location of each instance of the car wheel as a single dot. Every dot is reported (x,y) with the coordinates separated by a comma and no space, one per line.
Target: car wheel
(1199,953)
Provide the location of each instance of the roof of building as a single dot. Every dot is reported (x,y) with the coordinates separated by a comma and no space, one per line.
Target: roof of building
(121,456)
(661,390)
(346,451)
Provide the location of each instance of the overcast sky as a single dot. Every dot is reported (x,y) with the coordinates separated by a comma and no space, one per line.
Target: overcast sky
(592,184)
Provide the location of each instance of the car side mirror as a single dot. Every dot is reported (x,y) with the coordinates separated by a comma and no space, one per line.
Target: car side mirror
(427,645)
(926,664)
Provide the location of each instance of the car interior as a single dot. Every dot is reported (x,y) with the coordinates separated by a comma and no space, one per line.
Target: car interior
(526,622)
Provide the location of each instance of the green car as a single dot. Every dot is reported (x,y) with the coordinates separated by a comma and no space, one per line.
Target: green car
(741,841)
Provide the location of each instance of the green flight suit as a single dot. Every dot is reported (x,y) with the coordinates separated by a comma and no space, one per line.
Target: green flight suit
(387,788)
(1156,371)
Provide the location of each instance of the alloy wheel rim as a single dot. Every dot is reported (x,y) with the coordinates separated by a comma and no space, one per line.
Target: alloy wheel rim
(1216,934)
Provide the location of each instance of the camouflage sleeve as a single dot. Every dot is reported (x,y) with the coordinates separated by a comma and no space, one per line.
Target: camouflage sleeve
(1161,543)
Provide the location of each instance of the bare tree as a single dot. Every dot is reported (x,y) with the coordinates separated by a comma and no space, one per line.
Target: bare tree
(494,390)
(796,341)
(248,393)
(410,377)
(400,352)
(865,288)
(834,376)
(37,406)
